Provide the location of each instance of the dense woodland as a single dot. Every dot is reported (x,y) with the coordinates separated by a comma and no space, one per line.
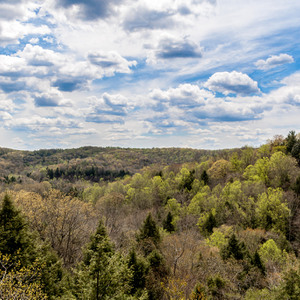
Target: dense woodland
(113,223)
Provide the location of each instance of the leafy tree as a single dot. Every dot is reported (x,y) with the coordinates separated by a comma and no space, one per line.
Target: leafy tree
(290,288)
(272,211)
(296,151)
(19,282)
(198,293)
(25,251)
(271,253)
(210,223)
(157,274)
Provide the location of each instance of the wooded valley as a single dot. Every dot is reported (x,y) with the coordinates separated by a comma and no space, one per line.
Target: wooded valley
(115,223)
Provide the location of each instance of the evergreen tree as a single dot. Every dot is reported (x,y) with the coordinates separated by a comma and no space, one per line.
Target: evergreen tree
(233,249)
(14,236)
(209,224)
(167,223)
(148,237)
(103,273)
(290,141)
(139,269)
(204,177)
(256,261)
(26,251)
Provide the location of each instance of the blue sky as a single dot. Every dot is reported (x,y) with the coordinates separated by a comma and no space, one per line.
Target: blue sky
(195,73)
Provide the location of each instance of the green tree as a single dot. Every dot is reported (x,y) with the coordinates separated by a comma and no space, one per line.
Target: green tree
(290,141)
(256,261)
(14,236)
(233,249)
(25,251)
(103,273)
(139,270)
(290,288)
(272,211)
(204,177)
(149,237)
(168,223)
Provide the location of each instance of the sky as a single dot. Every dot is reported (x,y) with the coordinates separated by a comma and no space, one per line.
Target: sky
(204,74)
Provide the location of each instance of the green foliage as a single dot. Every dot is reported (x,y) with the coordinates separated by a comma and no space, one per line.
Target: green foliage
(139,270)
(233,249)
(204,177)
(149,236)
(168,223)
(156,275)
(219,238)
(20,282)
(271,253)
(296,151)
(256,261)
(272,211)
(103,273)
(290,288)
(14,236)
(290,141)
(198,293)
(215,287)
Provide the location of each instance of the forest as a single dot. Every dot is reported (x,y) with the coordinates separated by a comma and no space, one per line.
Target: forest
(114,223)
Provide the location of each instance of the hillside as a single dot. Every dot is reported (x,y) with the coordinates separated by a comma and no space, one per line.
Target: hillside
(171,223)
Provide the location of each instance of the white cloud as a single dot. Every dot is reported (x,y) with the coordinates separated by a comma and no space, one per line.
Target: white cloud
(185,95)
(232,82)
(111,62)
(274,61)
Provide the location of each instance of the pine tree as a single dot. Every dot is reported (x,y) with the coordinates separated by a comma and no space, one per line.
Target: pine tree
(103,273)
(26,252)
(233,249)
(149,237)
(256,261)
(204,177)
(14,235)
(167,224)
(290,141)
(209,224)
(139,270)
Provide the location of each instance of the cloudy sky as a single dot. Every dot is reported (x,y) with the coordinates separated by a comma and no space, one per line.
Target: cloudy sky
(148,73)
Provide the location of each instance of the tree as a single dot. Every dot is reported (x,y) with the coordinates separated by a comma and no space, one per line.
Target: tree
(149,236)
(27,255)
(168,223)
(14,236)
(23,283)
(272,211)
(139,270)
(256,261)
(290,141)
(204,177)
(103,273)
(233,249)
(290,288)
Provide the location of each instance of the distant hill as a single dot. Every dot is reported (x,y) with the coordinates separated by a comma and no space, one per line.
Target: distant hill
(98,162)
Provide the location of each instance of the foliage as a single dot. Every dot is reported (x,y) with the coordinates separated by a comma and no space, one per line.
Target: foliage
(176,223)
(272,211)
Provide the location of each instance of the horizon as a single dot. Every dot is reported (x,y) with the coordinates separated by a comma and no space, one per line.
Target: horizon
(198,74)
